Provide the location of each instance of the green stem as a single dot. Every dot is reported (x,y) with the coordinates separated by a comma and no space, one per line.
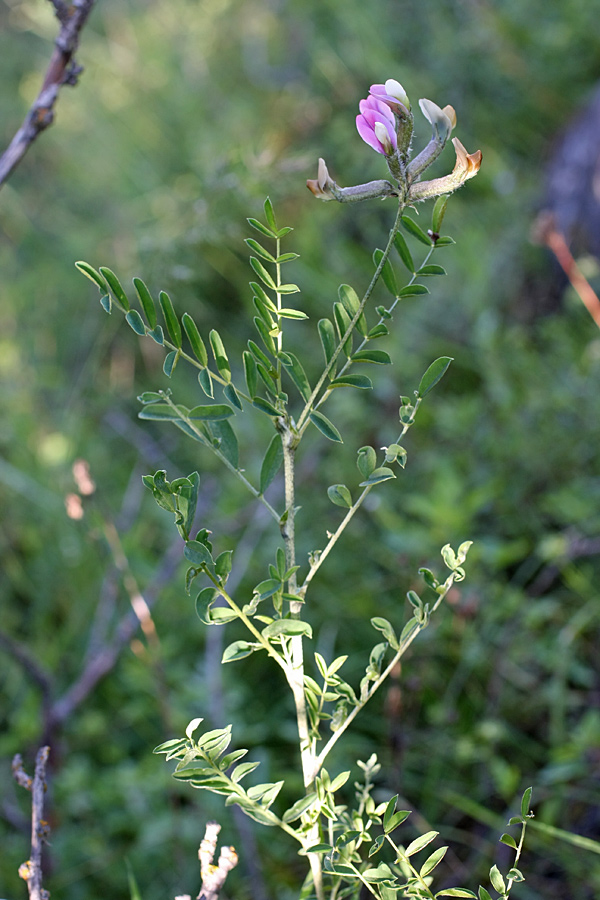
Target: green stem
(343,524)
(320,759)
(237,472)
(249,625)
(303,420)
(405,859)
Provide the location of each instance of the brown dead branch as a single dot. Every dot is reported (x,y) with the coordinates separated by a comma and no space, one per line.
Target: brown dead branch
(213,876)
(61,70)
(31,870)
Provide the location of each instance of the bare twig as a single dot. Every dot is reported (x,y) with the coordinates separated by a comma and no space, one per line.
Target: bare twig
(31,871)
(546,231)
(213,876)
(62,70)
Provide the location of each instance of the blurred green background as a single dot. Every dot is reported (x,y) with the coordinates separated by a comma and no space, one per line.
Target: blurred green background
(187,115)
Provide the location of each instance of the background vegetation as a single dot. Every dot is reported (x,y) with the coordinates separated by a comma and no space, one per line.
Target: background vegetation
(186,116)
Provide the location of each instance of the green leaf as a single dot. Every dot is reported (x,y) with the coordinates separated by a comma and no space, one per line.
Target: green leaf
(294,368)
(204,601)
(232,395)
(161,412)
(262,273)
(197,553)
(265,407)
(403,252)
(196,342)
(377,476)
(223,563)
(413,290)
(205,381)
(92,274)
(243,769)
(455,892)
(351,303)
(434,860)
(366,461)
(339,781)
(287,313)
(356,381)
(211,413)
(381,873)
(149,397)
(411,626)
(264,312)
(326,427)
(287,257)
(444,241)
(526,798)
(260,250)
(411,226)
(509,840)
(287,627)
(340,495)
(328,341)
(238,650)
(299,807)
(262,229)
(497,880)
(220,356)
(157,335)
(106,303)
(250,372)
(515,874)
(171,320)
(259,356)
(378,331)
(483,894)
(262,295)
(434,373)
(439,210)
(431,270)
(387,273)
(271,463)
(288,289)
(342,323)
(115,286)
(134,319)
(267,588)
(267,338)
(224,440)
(386,629)
(379,357)
(421,842)
(270,214)
(146,301)
(171,360)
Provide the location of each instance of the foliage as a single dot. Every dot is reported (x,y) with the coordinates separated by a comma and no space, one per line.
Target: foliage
(132,173)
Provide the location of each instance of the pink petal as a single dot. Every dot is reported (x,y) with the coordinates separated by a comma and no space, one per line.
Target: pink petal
(368,135)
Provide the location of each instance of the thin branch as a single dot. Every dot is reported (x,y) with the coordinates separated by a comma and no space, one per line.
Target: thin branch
(61,70)
(107,655)
(546,231)
(31,871)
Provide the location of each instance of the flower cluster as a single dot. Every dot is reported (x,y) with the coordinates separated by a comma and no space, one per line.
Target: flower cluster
(385,123)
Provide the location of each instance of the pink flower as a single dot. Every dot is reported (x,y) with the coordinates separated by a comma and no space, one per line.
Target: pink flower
(392,94)
(376,125)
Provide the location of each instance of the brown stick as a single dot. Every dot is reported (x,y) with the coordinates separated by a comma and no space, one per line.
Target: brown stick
(31,871)
(61,70)
(546,231)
